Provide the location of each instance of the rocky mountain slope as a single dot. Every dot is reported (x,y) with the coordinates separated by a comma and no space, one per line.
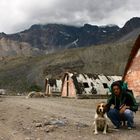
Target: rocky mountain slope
(19,73)
(22,73)
(54,37)
(11,48)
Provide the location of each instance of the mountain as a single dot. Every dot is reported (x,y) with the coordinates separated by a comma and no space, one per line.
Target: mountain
(14,48)
(54,37)
(10,48)
(87,49)
(21,73)
(130,25)
(130,30)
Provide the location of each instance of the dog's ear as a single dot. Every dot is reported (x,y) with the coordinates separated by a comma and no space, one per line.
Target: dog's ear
(107,107)
(97,109)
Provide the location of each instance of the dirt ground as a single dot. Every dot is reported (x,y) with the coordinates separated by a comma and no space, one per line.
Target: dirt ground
(55,118)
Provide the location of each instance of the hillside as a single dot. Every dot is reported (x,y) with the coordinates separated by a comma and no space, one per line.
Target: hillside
(19,74)
(55,37)
(27,57)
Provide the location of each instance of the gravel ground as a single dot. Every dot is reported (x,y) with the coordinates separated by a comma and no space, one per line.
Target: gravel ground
(55,119)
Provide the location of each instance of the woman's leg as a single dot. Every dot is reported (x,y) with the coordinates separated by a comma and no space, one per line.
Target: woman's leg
(128,114)
(114,116)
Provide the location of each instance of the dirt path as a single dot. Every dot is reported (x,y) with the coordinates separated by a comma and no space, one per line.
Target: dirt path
(54,119)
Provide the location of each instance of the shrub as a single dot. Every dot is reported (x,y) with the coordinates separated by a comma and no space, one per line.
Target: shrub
(35,87)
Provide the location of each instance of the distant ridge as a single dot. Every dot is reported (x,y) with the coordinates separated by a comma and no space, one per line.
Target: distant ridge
(53,37)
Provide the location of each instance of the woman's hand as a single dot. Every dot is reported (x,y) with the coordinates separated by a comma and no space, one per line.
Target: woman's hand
(123,108)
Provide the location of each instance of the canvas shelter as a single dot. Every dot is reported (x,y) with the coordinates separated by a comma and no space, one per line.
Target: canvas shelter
(75,85)
(53,86)
(132,69)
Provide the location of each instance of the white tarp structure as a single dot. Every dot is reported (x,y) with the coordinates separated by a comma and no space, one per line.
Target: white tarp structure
(74,83)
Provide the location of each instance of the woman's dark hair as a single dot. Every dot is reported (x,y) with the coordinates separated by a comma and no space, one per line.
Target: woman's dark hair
(116,83)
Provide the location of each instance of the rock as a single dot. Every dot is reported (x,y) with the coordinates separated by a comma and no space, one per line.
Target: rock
(50,128)
(38,124)
(28,108)
(36,121)
(27,138)
(56,122)
(45,117)
(78,124)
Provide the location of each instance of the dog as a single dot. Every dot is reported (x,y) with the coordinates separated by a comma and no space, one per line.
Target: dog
(35,94)
(101,119)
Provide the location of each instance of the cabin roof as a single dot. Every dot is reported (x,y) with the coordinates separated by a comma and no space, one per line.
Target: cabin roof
(133,53)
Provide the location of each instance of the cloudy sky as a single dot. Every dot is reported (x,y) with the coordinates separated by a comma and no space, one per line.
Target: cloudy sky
(18,15)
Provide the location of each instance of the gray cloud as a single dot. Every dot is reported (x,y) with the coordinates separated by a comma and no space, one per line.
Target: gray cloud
(17,15)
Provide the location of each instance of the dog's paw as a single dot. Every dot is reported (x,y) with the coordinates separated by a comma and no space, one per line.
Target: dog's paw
(95,133)
(104,132)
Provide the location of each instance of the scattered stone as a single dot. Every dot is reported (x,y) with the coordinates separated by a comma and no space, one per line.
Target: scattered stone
(27,131)
(27,138)
(28,108)
(65,130)
(78,124)
(14,132)
(20,123)
(45,117)
(55,122)
(3,119)
(35,121)
(50,128)
(38,124)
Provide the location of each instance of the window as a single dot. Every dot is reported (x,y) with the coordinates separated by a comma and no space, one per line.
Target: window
(86,85)
(105,85)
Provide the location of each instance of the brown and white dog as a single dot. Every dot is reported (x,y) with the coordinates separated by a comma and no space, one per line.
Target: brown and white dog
(101,120)
(35,94)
